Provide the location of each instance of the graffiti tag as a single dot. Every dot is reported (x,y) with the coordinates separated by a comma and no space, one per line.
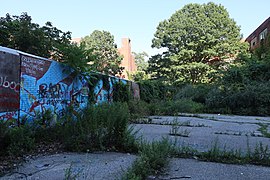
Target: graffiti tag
(9,84)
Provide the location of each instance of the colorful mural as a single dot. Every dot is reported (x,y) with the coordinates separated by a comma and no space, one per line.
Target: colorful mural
(47,84)
(30,85)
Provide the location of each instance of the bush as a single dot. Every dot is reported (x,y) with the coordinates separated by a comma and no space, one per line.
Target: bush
(246,99)
(155,91)
(138,109)
(175,107)
(4,137)
(21,140)
(196,93)
(121,92)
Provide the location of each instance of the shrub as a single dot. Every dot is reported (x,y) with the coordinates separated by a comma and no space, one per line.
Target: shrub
(4,136)
(153,158)
(196,93)
(246,99)
(155,91)
(21,140)
(138,109)
(101,127)
(174,107)
(121,92)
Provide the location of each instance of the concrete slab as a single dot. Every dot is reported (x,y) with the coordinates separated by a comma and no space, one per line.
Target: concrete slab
(96,166)
(198,170)
(204,130)
(230,132)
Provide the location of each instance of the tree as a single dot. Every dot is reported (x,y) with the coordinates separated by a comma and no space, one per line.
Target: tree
(192,37)
(107,59)
(18,32)
(142,65)
(140,60)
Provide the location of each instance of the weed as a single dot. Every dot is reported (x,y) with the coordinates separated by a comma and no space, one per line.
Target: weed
(174,131)
(261,155)
(263,130)
(153,158)
(71,174)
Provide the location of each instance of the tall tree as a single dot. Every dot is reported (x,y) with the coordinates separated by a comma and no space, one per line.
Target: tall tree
(19,32)
(107,59)
(192,38)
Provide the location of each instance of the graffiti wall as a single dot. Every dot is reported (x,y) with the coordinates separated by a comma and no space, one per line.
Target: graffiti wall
(9,85)
(30,85)
(49,85)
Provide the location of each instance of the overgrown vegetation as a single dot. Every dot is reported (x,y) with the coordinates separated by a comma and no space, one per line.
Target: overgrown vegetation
(97,128)
(153,157)
(242,88)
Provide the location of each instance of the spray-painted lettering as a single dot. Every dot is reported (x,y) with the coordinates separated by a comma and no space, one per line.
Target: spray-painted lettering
(9,84)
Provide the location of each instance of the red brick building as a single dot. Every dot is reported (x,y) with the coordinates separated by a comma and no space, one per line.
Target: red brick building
(259,35)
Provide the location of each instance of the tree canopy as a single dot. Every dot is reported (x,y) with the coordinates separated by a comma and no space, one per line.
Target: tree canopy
(19,32)
(191,39)
(107,59)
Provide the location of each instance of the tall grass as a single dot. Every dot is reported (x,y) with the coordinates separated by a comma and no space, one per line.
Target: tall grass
(102,127)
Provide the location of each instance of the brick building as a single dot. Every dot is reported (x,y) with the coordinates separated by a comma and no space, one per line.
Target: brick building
(259,35)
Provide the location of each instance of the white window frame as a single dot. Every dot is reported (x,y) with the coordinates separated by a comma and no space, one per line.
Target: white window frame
(263,34)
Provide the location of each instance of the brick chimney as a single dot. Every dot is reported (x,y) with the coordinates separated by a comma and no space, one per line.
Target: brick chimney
(128,61)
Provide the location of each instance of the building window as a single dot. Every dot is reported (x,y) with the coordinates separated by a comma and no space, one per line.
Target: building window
(263,34)
(253,42)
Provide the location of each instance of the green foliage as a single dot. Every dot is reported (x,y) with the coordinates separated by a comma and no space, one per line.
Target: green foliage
(197,93)
(70,174)
(175,107)
(77,57)
(15,140)
(100,127)
(264,130)
(192,37)
(139,76)
(215,154)
(18,32)
(153,159)
(121,92)
(177,131)
(248,99)
(4,136)
(21,140)
(107,59)
(138,109)
(194,73)
(154,91)
(140,60)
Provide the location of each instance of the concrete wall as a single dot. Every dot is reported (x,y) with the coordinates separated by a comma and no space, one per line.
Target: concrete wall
(30,85)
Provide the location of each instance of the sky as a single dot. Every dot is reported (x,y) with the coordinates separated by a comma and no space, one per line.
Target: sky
(135,19)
